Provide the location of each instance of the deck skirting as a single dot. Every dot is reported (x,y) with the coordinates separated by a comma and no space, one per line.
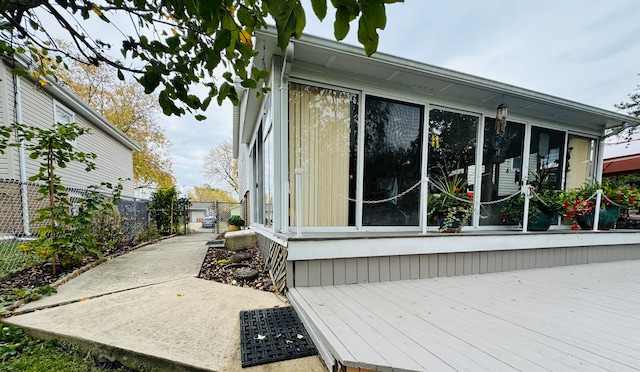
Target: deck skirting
(322,272)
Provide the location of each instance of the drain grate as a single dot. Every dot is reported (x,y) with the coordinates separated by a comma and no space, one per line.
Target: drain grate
(272,335)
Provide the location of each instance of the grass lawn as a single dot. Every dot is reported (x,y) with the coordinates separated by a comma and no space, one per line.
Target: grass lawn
(12,258)
(21,353)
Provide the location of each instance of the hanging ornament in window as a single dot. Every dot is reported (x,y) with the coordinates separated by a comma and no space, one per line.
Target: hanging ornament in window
(501,119)
(435,141)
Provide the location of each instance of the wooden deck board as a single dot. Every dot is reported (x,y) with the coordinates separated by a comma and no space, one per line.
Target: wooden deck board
(520,353)
(568,332)
(563,318)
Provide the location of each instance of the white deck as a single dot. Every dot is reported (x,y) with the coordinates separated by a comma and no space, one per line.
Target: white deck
(583,318)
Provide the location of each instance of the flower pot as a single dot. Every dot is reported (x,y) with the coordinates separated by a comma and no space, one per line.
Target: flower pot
(607,219)
(233,228)
(540,221)
(454,227)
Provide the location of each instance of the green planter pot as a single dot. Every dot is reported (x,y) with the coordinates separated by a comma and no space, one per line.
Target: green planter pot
(540,221)
(608,218)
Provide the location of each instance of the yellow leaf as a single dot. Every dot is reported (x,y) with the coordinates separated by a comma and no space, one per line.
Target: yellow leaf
(35,74)
(175,33)
(96,10)
(245,38)
(42,82)
(179,295)
(82,299)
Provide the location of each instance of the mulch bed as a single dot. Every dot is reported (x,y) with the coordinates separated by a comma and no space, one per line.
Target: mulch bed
(42,274)
(217,267)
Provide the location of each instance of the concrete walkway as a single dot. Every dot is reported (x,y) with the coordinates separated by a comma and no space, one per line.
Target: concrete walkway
(147,308)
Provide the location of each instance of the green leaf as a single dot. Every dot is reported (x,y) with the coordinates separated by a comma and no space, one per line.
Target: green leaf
(222,40)
(173,42)
(319,8)
(245,17)
(341,24)
(225,88)
(120,75)
(200,117)
(289,17)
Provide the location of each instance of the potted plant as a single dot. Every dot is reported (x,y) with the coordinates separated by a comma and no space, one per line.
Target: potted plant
(579,204)
(235,223)
(452,205)
(543,204)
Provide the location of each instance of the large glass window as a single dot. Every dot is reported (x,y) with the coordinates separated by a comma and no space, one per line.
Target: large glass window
(501,166)
(452,148)
(546,156)
(580,161)
(392,162)
(322,143)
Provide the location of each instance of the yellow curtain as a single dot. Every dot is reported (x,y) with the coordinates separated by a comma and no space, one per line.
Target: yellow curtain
(319,135)
(580,163)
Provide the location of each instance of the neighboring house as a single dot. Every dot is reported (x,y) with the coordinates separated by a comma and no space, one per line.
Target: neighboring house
(22,101)
(336,164)
(622,157)
(199,210)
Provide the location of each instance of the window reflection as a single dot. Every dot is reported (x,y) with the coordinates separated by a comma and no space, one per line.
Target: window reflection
(392,155)
(546,156)
(452,148)
(501,167)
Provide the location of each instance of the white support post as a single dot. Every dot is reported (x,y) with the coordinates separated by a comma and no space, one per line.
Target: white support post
(526,189)
(596,213)
(425,195)
(298,201)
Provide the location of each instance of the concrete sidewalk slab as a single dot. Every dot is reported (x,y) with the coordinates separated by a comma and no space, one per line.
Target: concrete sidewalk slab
(175,322)
(170,259)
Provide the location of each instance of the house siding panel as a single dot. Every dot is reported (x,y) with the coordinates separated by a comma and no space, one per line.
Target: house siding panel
(374,269)
(339,271)
(351,270)
(391,268)
(113,162)
(385,273)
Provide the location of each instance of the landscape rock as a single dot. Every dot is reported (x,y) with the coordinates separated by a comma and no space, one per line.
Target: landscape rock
(240,240)
(239,257)
(245,274)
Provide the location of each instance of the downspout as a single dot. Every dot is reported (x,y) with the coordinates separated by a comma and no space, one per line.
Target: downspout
(22,159)
(240,90)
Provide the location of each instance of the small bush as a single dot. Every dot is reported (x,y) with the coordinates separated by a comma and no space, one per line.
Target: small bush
(236,220)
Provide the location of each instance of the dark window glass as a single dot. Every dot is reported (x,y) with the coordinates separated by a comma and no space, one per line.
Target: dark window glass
(392,162)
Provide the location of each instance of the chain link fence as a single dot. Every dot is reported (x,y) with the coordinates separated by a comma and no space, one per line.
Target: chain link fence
(220,211)
(19,203)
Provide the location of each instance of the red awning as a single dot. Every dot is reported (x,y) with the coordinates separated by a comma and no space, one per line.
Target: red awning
(624,164)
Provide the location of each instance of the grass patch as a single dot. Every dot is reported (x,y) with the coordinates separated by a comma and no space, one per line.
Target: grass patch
(12,258)
(19,352)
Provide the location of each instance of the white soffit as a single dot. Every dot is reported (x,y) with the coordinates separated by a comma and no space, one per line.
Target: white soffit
(445,84)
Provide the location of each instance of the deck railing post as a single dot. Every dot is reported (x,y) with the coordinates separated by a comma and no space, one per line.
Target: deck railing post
(425,196)
(596,213)
(298,201)
(526,189)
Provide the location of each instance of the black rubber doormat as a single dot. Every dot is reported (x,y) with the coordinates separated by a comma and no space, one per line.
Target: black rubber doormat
(272,335)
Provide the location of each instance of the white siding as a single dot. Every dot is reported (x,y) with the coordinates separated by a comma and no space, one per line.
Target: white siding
(114,160)
(9,160)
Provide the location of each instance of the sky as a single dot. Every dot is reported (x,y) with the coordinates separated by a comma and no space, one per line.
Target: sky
(584,51)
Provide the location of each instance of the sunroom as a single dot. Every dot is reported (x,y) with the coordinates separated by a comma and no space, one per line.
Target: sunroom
(337,164)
